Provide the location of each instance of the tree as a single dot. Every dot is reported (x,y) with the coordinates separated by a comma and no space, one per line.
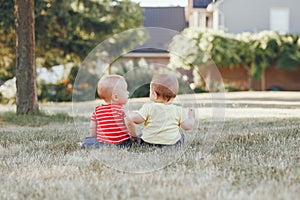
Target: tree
(65,30)
(25,57)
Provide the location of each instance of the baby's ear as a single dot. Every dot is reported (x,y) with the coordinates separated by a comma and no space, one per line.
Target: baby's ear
(115,97)
(154,94)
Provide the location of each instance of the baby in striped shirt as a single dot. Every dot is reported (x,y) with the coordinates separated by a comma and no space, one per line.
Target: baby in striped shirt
(109,124)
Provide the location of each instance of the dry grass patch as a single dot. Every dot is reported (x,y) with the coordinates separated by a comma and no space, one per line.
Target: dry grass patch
(252,160)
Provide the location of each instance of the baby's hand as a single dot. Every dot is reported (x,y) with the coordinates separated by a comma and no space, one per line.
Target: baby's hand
(133,139)
(188,123)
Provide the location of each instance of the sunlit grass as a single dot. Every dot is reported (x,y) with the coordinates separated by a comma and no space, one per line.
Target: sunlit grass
(257,159)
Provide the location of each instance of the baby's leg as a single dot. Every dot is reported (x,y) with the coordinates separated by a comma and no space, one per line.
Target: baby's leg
(90,142)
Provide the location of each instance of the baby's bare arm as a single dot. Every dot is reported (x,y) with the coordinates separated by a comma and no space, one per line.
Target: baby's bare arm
(190,121)
(136,117)
(129,124)
(131,128)
(93,126)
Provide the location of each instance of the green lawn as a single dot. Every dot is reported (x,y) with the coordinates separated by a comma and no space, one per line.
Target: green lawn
(254,158)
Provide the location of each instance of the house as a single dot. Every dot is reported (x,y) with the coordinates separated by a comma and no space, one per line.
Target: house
(165,17)
(171,18)
(203,14)
(236,16)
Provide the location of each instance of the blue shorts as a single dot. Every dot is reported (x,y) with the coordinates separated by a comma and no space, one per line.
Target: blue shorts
(143,143)
(93,142)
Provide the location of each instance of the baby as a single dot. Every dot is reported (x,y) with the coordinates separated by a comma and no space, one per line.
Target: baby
(162,119)
(109,124)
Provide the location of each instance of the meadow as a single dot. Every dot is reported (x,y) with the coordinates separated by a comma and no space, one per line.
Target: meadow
(255,156)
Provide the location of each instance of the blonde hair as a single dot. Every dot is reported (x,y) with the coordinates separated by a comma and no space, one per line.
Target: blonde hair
(165,86)
(107,84)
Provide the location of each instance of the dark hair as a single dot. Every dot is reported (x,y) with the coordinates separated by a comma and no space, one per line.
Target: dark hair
(163,91)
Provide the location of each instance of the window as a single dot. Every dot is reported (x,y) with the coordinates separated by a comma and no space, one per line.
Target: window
(279,19)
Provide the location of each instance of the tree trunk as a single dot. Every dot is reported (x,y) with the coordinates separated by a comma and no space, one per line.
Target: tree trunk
(25,57)
(263,80)
(249,81)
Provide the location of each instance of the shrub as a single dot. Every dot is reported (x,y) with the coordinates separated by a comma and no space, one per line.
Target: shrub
(255,52)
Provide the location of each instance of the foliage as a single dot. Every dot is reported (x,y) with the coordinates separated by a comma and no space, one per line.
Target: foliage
(265,47)
(142,91)
(58,92)
(228,87)
(255,52)
(86,89)
(7,40)
(55,92)
(66,30)
(289,53)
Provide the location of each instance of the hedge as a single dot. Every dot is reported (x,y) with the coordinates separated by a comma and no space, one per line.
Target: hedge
(254,51)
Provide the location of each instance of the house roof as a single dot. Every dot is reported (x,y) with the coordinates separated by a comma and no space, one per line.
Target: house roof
(165,17)
(202,3)
(172,18)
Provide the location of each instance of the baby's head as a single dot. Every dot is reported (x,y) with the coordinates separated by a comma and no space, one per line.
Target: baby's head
(163,87)
(113,89)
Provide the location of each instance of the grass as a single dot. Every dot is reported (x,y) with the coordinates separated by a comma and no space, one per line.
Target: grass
(36,119)
(252,160)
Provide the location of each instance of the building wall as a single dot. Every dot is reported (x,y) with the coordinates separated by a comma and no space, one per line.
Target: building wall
(238,76)
(285,79)
(254,16)
(158,60)
(274,78)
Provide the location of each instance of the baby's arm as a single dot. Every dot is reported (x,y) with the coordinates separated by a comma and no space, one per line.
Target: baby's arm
(190,121)
(130,126)
(93,126)
(136,117)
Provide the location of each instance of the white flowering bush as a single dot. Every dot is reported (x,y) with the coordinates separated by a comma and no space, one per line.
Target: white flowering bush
(289,52)
(255,52)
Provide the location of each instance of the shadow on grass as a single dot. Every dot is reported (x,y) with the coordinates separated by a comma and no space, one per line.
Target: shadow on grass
(36,119)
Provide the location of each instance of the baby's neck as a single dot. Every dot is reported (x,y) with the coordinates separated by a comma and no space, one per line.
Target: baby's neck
(162,101)
(113,103)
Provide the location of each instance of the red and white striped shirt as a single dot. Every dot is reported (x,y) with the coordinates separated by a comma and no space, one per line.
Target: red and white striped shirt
(111,128)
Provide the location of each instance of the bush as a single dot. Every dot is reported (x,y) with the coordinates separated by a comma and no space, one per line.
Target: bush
(55,92)
(142,91)
(255,52)
(58,92)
